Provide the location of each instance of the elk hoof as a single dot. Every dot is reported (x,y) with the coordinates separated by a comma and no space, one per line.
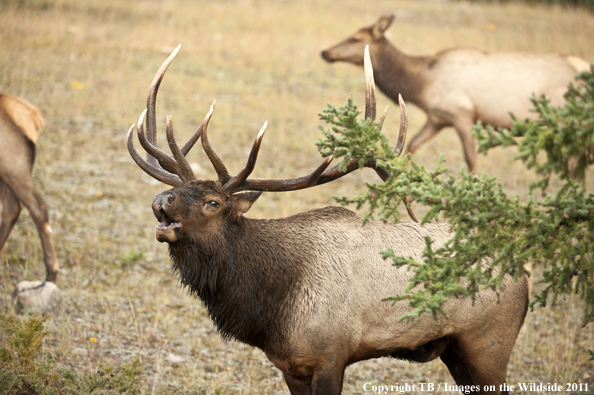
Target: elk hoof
(39,297)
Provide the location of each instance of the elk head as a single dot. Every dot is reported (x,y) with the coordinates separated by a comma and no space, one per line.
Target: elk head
(351,50)
(195,210)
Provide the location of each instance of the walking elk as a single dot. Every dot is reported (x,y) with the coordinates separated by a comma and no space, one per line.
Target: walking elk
(20,125)
(308,289)
(458,87)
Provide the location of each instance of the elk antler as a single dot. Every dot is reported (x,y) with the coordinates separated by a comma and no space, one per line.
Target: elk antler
(175,170)
(240,181)
(166,165)
(151,123)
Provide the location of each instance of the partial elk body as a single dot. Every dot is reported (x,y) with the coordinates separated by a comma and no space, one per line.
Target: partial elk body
(458,87)
(20,125)
(308,290)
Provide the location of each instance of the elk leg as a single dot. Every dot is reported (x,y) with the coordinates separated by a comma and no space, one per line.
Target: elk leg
(464,129)
(480,356)
(322,382)
(427,132)
(38,210)
(298,385)
(24,190)
(11,209)
(327,382)
(456,365)
(466,375)
(482,360)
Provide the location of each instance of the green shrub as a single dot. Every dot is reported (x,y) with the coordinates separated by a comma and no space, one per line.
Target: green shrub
(553,231)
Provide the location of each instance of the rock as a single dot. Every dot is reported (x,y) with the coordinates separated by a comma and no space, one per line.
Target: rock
(40,297)
(174,358)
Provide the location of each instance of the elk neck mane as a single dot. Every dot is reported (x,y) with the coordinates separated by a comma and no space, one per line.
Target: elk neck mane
(245,281)
(398,73)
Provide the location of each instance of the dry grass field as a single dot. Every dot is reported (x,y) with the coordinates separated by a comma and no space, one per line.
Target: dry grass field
(88,65)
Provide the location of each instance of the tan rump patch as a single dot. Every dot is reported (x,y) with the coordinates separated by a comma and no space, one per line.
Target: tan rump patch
(24,114)
(578,64)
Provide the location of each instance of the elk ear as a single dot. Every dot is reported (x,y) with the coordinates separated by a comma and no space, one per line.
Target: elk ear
(381,25)
(242,202)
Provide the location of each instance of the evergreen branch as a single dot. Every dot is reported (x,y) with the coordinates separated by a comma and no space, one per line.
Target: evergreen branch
(493,234)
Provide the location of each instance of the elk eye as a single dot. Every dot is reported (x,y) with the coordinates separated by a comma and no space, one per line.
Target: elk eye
(214,203)
(353,40)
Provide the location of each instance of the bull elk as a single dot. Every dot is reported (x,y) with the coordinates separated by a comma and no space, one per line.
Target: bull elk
(20,125)
(309,289)
(458,87)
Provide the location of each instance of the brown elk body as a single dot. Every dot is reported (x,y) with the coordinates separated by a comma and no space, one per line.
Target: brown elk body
(20,125)
(458,87)
(308,290)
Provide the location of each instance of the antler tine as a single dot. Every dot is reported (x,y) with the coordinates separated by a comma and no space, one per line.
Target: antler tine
(369,86)
(155,172)
(383,118)
(151,122)
(282,185)
(403,127)
(217,163)
(186,172)
(164,160)
(251,163)
(334,172)
(188,146)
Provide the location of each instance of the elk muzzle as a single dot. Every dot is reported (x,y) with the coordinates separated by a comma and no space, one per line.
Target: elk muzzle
(163,208)
(328,57)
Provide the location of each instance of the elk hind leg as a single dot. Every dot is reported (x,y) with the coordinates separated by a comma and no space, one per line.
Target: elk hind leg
(11,209)
(464,128)
(480,355)
(24,190)
(41,218)
(480,362)
(459,370)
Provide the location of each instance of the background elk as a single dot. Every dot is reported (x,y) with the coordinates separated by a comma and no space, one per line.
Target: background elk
(308,289)
(20,125)
(458,87)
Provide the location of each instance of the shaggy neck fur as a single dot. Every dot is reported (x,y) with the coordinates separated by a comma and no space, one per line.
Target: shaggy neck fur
(244,279)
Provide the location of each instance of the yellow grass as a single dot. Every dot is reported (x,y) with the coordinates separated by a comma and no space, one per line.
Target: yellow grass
(88,65)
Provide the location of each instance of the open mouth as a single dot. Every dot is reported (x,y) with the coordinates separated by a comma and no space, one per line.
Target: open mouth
(168,229)
(167,223)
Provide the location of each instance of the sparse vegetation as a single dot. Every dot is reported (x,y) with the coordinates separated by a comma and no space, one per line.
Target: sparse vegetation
(23,371)
(87,64)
